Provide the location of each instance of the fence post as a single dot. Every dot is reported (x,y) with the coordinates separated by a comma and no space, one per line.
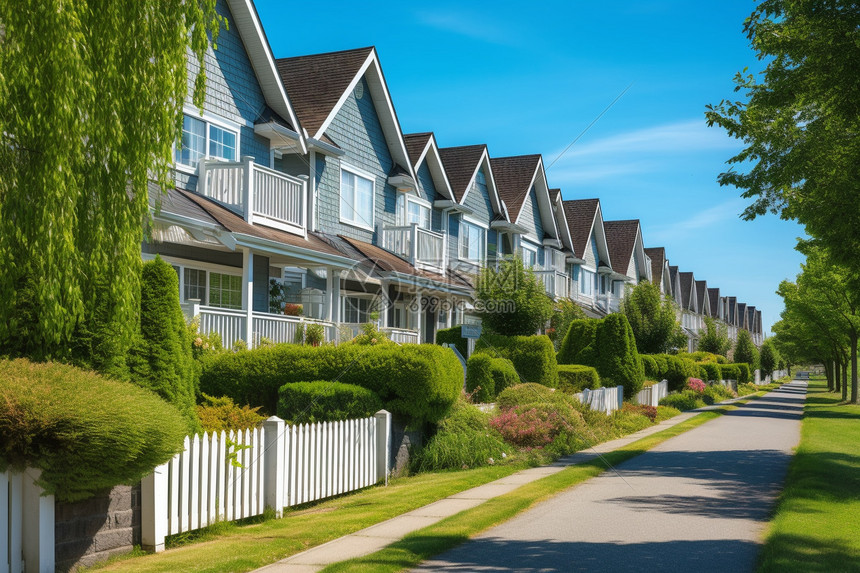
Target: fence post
(620,397)
(383,444)
(37,525)
(153,509)
(274,464)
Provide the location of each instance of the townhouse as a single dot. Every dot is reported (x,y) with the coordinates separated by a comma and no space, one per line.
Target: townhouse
(300,206)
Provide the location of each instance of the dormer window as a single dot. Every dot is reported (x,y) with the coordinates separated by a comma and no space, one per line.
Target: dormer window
(202,138)
(411,210)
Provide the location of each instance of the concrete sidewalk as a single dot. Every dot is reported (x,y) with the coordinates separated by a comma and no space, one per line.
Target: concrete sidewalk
(374,538)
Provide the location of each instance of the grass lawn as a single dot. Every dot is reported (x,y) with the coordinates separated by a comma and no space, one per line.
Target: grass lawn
(817,522)
(450,532)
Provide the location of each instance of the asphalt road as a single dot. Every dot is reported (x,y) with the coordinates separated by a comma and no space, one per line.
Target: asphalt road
(699,502)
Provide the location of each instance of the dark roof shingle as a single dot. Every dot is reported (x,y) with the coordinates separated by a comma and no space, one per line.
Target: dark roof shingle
(580,215)
(687,282)
(513,177)
(415,144)
(460,164)
(621,239)
(658,261)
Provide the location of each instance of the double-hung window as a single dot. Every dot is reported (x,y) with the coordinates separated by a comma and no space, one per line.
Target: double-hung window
(195,285)
(225,291)
(529,257)
(471,242)
(586,282)
(201,138)
(417,214)
(356,199)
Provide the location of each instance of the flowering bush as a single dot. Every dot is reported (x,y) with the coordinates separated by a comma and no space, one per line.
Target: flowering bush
(648,411)
(696,385)
(530,425)
(291,309)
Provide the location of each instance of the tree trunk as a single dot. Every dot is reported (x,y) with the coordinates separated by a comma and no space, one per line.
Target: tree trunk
(845,381)
(828,373)
(854,369)
(837,386)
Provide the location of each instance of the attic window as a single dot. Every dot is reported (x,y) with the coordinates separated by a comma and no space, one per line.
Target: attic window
(359,90)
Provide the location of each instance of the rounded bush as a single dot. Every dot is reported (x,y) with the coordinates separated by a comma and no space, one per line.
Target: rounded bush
(527,394)
(744,373)
(617,358)
(453,336)
(322,401)
(711,371)
(573,378)
(417,381)
(730,372)
(86,433)
(487,376)
(650,366)
(577,347)
(535,425)
(532,356)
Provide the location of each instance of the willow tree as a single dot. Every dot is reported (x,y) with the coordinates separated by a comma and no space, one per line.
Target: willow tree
(91,95)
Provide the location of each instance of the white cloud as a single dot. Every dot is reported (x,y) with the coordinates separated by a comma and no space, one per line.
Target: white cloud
(468,24)
(679,230)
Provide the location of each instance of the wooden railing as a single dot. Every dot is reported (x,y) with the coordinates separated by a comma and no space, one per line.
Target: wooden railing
(421,247)
(556,284)
(399,335)
(276,328)
(255,192)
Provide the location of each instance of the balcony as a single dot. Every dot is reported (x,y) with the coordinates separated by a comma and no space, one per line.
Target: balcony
(609,303)
(555,283)
(231,325)
(398,335)
(423,249)
(259,194)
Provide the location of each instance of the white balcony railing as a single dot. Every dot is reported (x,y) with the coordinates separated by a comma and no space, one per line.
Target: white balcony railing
(608,302)
(399,335)
(423,248)
(230,325)
(556,284)
(257,193)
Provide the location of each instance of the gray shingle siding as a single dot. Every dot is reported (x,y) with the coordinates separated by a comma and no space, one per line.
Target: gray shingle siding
(425,181)
(478,200)
(530,216)
(356,130)
(232,91)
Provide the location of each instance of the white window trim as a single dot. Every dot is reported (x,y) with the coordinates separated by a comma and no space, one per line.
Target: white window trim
(525,246)
(485,228)
(196,265)
(208,118)
(409,198)
(364,175)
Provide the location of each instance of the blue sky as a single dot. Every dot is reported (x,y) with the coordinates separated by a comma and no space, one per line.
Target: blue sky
(529,78)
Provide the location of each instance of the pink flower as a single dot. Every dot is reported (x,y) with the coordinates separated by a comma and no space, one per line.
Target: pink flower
(696,385)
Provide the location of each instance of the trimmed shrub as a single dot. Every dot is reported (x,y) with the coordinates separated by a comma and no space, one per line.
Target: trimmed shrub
(222,414)
(662,364)
(701,356)
(533,356)
(650,366)
(453,336)
(322,401)
(487,376)
(160,359)
(617,358)
(573,378)
(744,374)
(86,433)
(465,417)
(419,382)
(577,347)
(729,372)
(678,370)
(712,371)
(722,359)
(687,400)
(528,393)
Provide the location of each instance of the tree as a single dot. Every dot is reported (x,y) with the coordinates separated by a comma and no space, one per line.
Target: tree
(652,318)
(511,299)
(563,315)
(161,358)
(768,357)
(91,98)
(714,338)
(745,350)
(618,361)
(799,122)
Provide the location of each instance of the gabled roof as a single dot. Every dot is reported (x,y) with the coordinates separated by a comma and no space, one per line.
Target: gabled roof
(461,164)
(658,261)
(742,315)
(515,176)
(561,219)
(621,239)
(319,85)
(714,297)
(422,147)
(580,215)
(554,195)
(751,319)
(260,54)
(702,297)
(759,328)
(688,283)
(732,310)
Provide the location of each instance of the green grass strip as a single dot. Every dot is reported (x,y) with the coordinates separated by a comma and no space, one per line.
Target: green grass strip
(423,544)
(816,526)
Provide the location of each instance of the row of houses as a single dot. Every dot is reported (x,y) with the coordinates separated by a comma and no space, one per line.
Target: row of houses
(296,188)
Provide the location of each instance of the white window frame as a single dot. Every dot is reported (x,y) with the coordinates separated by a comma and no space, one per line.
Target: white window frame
(484,229)
(209,268)
(209,119)
(525,246)
(356,172)
(422,204)
(591,286)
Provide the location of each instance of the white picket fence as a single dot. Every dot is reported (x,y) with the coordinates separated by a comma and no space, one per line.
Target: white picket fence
(605,400)
(651,395)
(222,477)
(26,524)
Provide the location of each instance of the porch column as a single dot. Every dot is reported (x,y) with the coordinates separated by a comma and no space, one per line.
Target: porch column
(335,296)
(449,320)
(385,304)
(329,289)
(418,315)
(248,294)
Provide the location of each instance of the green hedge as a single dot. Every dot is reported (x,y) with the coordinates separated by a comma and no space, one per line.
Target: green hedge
(712,371)
(573,378)
(577,347)
(86,433)
(417,381)
(453,336)
(744,374)
(489,376)
(322,401)
(650,365)
(618,361)
(533,356)
(738,371)
(527,393)
(676,369)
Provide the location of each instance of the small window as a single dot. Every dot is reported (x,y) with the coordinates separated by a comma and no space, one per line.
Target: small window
(198,136)
(356,199)
(586,282)
(529,257)
(356,310)
(225,291)
(195,285)
(418,214)
(471,242)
